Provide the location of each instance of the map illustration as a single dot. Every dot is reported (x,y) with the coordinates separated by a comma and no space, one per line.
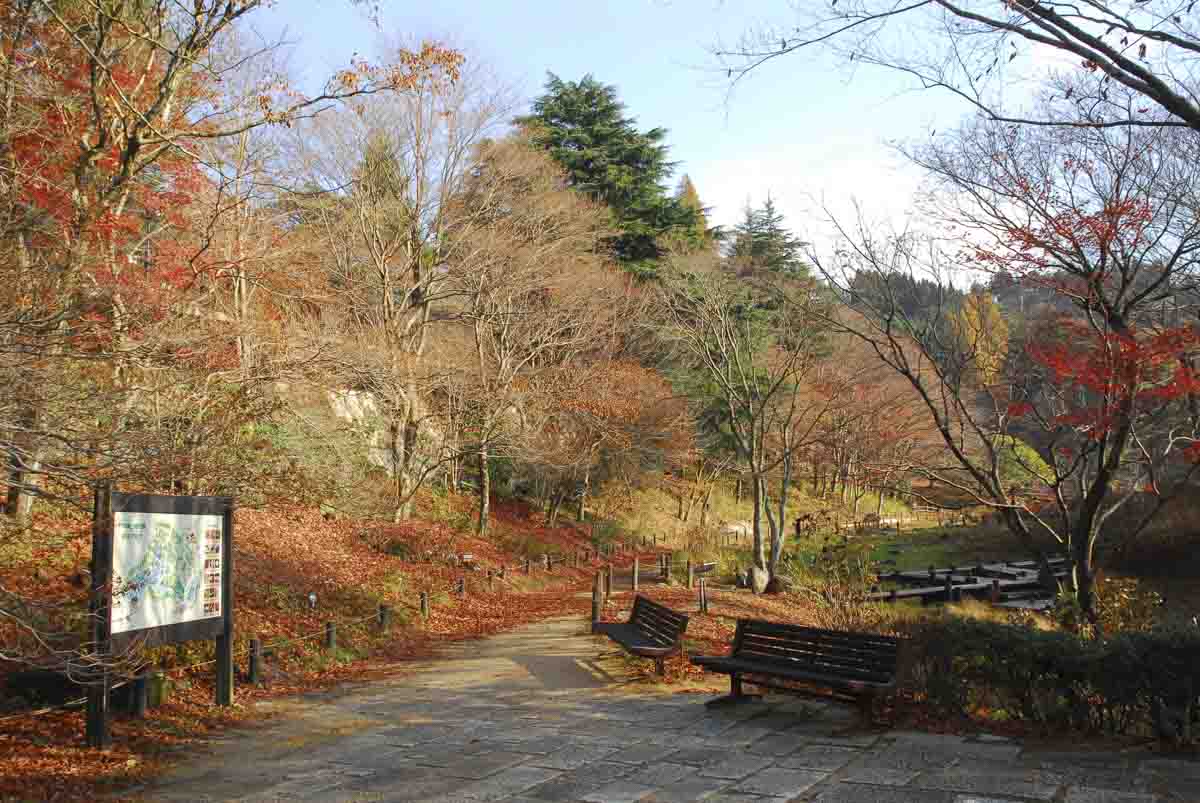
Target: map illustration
(166,569)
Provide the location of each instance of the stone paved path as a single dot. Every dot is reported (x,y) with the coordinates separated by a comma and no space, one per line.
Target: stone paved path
(530,717)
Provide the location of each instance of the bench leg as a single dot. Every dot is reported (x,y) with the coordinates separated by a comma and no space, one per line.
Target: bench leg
(866,708)
(736,695)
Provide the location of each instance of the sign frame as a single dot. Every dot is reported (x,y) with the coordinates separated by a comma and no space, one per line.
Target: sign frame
(195,630)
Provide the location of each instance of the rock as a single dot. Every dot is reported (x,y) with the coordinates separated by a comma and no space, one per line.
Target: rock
(757,580)
(779,585)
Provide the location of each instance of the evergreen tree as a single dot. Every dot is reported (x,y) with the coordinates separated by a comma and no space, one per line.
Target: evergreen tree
(584,127)
(762,242)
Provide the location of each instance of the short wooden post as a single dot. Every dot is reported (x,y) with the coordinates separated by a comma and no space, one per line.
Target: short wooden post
(546,558)
(139,695)
(255,669)
(491,580)
(425,605)
(995,591)
(576,559)
(462,587)
(691,578)
(502,570)
(655,537)
(608,582)
(703,597)
(597,599)
(385,618)
(635,574)
(528,565)
(331,635)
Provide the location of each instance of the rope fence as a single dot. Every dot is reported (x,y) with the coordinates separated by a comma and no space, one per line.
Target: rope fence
(256,650)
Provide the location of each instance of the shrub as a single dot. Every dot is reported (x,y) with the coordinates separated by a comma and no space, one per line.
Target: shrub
(1134,683)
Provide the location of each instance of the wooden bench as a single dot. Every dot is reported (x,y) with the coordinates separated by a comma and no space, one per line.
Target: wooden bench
(653,631)
(857,666)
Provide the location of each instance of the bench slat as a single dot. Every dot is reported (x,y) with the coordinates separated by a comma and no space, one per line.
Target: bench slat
(799,649)
(790,631)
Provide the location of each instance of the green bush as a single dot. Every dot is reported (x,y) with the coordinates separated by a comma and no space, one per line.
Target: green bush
(1134,683)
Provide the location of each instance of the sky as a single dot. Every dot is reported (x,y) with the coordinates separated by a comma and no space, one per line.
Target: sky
(803,129)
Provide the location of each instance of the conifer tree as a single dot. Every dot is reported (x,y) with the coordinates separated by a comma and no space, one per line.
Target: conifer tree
(584,127)
(762,242)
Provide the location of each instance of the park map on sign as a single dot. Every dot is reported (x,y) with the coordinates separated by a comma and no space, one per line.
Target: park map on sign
(166,569)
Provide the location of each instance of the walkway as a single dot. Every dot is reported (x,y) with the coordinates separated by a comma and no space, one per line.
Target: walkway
(531,716)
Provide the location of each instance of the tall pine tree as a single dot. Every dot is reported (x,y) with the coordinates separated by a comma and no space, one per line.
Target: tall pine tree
(584,127)
(762,242)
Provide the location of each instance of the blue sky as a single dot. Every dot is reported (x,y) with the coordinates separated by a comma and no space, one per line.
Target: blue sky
(803,128)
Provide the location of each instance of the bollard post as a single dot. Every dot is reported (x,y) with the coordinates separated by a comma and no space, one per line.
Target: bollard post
(576,563)
(635,575)
(502,571)
(703,597)
(331,635)
(546,558)
(462,586)
(491,580)
(385,618)
(425,605)
(597,600)
(255,670)
(139,695)
(995,591)
(691,578)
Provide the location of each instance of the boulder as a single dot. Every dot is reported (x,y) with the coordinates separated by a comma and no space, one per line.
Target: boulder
(779,585)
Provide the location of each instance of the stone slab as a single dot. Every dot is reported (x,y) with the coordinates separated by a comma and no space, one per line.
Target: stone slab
(619,792)
(735,766)
(1086,794)
(688,790)
(781,782)
(506,783)
(820,757)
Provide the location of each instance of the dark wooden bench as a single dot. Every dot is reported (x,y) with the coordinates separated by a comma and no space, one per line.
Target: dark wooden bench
(653,631)
(858,666)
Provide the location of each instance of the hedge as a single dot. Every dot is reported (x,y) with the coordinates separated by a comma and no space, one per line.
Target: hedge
(1134,684)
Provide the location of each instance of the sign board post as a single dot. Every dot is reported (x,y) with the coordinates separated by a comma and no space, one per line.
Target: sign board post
(162,572)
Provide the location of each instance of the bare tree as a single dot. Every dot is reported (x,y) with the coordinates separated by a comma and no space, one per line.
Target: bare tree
(971,47)
(382,183)
(534,291)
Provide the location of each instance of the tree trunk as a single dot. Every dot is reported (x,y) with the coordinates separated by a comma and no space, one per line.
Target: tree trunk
(759,547)
(737,491)
(485,492)
(879,505)
(705,506)
(581,513)
(559,495)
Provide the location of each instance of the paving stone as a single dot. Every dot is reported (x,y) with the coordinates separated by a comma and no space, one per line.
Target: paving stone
(781,782)
(745,733)
(909,759)
(643,753)
(779,743)
(1028,785)
(926,740)
(740,797)
(699,756)
(574,784)
(619,792)
(1086,794)
(483,765)
(574,756)
(508,782)
(879,776)
(735,766)
(820,757)
(688,790)
(862,793)
(661,773)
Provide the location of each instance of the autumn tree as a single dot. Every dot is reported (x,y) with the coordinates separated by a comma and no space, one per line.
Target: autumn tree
(981,334)
(1104,218)
(381,184)
(757,341)
(530,287)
